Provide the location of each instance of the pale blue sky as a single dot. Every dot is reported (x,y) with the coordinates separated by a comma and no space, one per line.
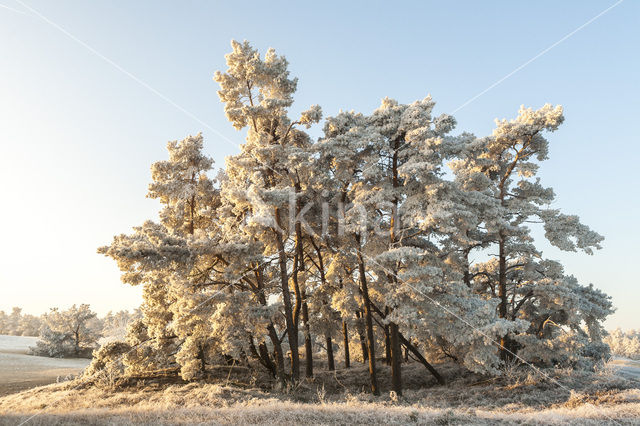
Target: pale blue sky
(77,135)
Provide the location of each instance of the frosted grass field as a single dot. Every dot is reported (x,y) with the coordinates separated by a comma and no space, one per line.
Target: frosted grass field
(19,370)
(609,396)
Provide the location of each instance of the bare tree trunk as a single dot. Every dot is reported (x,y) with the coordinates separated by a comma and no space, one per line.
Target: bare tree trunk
(387,345)
(396,356)
(301,302)
(345,338)
(330,359)
(292,329)
(307,340)
(368,322)
(77,342)
(392,334)
(363,341)
(502,294)
(267,358)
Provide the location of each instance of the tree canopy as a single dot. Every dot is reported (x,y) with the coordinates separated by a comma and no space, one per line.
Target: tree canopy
(387,232)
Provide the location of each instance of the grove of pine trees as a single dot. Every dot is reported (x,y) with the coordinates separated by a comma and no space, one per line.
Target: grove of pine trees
(387,237)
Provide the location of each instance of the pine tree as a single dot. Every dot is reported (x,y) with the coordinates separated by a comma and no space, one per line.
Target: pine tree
(270,171)
(73,332)
(501,171)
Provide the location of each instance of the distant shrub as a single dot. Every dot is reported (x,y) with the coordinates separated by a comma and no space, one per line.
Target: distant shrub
(70,333)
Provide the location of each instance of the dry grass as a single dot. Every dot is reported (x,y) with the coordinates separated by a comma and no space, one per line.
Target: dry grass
(337,398)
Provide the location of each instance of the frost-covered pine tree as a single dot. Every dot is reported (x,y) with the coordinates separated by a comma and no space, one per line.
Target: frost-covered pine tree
(270,171)
(73,332)
(349,150)
(499,173)
(115,324)
(160,256)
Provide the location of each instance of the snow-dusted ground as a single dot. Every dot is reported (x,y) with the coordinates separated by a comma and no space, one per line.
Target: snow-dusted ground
(19,370)
(609,396)
(625,367)
(16,344)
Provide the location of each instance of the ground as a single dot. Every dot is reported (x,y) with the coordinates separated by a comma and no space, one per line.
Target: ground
(626,367)
(19,370)
(236,394)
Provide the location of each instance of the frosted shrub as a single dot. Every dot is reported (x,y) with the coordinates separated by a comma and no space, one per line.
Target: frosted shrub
(108,356)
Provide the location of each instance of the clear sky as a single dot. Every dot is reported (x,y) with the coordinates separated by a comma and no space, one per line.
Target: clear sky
(78,134)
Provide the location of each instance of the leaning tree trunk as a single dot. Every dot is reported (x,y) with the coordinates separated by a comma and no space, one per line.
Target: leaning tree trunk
(278,354)
(407,344)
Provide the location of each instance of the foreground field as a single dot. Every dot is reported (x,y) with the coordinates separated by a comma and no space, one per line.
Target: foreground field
(335,398)
(20,371)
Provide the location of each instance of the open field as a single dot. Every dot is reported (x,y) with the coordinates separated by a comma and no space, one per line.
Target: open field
(237,396)
(626,367)
(20,371)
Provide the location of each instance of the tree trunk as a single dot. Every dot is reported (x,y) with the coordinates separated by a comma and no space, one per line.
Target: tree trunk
(422,359)
(307,340)
(262,354)
(77,342)
(387,342)
(267,358)
(396,356)
(363,341)
(368,322)
(330,359)
(301,302)
(345,338)
(502,294)
(413,349)
(292,329)
(279,356)
(201,357)
(273,334)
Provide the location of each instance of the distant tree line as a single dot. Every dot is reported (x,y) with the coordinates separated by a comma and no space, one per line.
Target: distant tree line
(624,343)
(74,332)
(18,324)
